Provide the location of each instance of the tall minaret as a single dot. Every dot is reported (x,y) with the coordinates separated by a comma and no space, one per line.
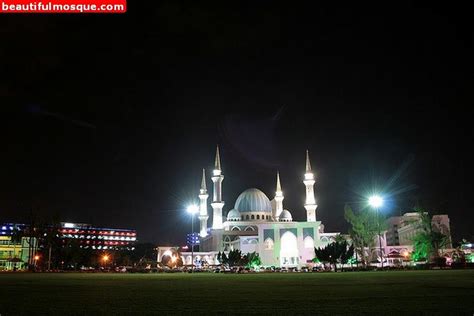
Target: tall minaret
(278,199)
(310,204)
(217,203)
(203,205)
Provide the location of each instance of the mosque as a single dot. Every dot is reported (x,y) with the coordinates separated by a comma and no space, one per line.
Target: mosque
(257,224)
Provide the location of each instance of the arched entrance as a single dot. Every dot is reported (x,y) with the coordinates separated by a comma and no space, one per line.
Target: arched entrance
(289,256)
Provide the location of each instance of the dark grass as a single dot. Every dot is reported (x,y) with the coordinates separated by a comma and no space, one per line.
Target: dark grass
(402,292)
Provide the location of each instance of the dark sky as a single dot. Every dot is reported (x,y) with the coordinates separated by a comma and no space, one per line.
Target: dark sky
(108,119)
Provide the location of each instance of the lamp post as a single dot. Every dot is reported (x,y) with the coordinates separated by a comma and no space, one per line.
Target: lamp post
(105,258)
(376,202)
(192,209)
(36,258)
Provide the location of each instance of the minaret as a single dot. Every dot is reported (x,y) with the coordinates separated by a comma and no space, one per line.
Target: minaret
(217,203)
(310,204)
(278,199)
(203,217)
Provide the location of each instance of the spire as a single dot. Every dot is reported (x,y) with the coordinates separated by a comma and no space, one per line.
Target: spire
(278,182)
(203,182)
(308,163)
(217,164)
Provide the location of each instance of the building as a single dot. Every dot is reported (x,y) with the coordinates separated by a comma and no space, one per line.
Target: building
(256,224)
(88,236)
(16,254)
(397,242)
(98,238)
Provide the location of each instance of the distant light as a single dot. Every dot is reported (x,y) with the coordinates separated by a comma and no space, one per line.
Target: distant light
(37,257)
(308,176)
(216,172)
(167,253)
(192,209)
(105,258)
(375,201)
(69,225)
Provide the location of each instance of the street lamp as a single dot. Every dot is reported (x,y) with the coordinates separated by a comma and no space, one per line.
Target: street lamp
(105,258)
(376,201)
(192,209)
(36,257)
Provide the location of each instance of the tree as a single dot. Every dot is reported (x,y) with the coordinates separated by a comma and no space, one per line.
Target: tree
(225,260)
(365,226)
(334,253)
(428,240)
(253,260)
(234,257)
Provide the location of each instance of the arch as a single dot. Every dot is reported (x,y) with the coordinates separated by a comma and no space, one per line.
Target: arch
(289,255)
(247,217)
(324,239)
(268,243)
(258,216)
(308,242)
(249,228)
(242,217)
(252,217)
(235,228)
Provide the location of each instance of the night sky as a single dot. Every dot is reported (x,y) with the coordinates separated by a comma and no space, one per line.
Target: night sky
(109,119)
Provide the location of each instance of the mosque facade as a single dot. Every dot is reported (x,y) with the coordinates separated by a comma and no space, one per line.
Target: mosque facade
(257,224)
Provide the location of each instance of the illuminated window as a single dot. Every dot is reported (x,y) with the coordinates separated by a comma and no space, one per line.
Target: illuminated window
(268,244)
(308,242)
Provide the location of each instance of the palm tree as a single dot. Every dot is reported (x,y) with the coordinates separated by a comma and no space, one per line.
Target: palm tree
(429,240)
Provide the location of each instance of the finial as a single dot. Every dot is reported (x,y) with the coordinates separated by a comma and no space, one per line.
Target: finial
(217,164)
(203,182)
(308,163)
(278,182)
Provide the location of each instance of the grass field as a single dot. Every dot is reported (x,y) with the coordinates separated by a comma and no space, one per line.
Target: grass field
(402,292)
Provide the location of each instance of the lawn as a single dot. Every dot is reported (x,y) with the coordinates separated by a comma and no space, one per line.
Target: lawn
(401,292)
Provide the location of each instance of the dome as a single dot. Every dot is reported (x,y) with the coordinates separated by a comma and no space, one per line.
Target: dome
(233,215)
(253,200)
(285,216)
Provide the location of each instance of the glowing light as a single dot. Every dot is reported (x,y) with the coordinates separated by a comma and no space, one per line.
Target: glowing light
(309,176)
(105,258)
(167,253)
(192,209)
(37,257)
(69,225)
(376,201)
(405,253)
(216,172)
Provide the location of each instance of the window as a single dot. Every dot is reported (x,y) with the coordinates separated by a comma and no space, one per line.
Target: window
(258,216)
(253,216)
(308,242)
(268,244)
(247,217)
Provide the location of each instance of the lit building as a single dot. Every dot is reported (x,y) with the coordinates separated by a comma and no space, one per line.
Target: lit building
(88,236)
(398,239)
(98,238)
(256,224)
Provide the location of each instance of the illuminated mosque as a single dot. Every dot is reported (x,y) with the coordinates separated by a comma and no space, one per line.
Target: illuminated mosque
(256,224)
